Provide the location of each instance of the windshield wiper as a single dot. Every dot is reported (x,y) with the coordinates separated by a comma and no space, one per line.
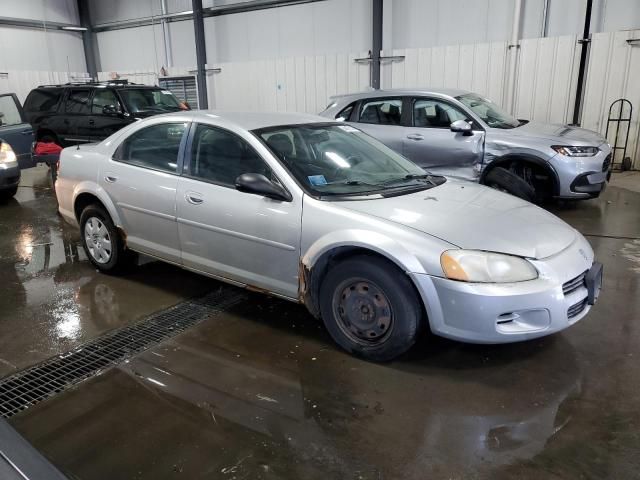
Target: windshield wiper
(412,176)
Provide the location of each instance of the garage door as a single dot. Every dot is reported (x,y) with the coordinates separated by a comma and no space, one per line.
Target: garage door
(184,88)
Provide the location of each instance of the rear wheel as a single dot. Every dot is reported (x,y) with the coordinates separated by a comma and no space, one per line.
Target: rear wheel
(370,308)
(102,242)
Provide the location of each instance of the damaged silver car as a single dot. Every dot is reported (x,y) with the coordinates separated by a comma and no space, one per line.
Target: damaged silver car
(322,214)
(462,134)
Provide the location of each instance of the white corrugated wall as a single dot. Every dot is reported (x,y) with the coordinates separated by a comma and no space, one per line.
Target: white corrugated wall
(614,72)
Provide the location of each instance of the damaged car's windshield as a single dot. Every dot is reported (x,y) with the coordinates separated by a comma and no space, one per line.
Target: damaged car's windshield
(488,111)
(330,159)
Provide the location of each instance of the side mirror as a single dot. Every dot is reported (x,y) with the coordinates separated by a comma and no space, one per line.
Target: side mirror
(109,110)
(460,126)
(258,184)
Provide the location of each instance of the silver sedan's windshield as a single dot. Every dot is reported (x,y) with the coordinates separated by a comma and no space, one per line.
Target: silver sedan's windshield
(330,159)
(488,111)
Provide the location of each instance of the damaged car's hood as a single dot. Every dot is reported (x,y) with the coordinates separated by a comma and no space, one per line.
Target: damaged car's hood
(559,134)
(472,216)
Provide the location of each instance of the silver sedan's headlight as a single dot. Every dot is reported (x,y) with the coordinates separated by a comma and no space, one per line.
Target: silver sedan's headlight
(569,151)
(486,267)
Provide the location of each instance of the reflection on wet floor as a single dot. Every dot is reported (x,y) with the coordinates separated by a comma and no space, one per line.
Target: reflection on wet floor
(52,299)
(262,392)
(250,394)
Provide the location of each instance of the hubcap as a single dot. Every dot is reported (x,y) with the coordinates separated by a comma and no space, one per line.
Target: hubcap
(98,240)
(363,311)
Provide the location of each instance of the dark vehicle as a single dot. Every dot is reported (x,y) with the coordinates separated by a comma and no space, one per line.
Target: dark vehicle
(16,137)
(89,112)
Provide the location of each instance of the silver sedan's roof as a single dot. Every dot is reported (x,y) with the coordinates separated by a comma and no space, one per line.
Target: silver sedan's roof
(450,92)
(253,120)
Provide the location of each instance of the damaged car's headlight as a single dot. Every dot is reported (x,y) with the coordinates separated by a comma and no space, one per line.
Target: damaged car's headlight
(568,151)
(486,267)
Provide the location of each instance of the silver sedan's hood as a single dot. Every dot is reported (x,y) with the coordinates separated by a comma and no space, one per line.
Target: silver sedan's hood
(475,217)
(561,134)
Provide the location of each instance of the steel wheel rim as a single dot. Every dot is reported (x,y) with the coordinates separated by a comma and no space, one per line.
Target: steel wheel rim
(98,240)
(363,312)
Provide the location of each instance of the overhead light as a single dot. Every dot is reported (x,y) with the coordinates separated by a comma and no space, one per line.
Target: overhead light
(75,29)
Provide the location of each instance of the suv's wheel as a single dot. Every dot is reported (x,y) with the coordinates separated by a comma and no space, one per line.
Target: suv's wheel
(506,181)
(102,241)
(370,308)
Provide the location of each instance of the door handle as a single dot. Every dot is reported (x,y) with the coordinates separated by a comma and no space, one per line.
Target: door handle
(193,198)
(91,121)
(415,136)
(27,132)
(110,179)
(66,121)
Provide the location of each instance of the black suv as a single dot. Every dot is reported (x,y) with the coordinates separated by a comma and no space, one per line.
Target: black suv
(89,112)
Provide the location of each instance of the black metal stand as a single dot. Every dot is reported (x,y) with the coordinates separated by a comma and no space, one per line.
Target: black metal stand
(625,164)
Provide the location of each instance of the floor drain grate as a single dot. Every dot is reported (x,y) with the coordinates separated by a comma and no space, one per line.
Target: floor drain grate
(35,384)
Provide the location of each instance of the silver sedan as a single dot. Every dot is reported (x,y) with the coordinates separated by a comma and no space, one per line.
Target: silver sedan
(322,214)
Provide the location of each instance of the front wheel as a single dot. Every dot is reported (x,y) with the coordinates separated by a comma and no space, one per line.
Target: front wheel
(502,179)
(370,308)
(8,193)
(102,241)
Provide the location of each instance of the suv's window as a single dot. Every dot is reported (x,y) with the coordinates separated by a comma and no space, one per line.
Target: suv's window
(345,113)
(220,156)
(103,98)
(9,113)
(149,100)
(77,101)
(433,113)
(154,147)
(45,100)
(384,111)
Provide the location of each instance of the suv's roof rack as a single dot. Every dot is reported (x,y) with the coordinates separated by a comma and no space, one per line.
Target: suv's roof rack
(93,83)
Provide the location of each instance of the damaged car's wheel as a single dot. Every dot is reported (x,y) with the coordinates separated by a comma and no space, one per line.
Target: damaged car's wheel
(506,181)
(370,308)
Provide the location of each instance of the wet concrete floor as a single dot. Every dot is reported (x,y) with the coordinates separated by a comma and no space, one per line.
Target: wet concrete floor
(261,391)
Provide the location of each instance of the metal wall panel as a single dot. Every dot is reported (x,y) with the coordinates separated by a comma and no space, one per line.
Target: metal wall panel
(546,78)
(21,82)
(614,69)
(478,67)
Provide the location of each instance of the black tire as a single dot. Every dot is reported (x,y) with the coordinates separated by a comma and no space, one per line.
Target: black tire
(8,194)
(118,257)
(505,181)
(397,311)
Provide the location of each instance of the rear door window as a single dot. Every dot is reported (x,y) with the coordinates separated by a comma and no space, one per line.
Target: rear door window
(78,101)
(382,111)
(155,147)
(44,100)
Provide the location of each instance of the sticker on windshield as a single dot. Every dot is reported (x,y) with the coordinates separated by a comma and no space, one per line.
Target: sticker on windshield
(348,128)
(317,180)
(166,92)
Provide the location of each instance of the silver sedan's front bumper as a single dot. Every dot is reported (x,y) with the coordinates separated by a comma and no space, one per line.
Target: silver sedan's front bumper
(502,313)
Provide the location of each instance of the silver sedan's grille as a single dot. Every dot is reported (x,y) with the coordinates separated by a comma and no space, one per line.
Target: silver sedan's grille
(574,284)
(577,308)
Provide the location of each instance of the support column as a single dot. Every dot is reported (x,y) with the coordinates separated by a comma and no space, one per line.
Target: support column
(514,45)
(584,45)
(376,44)
(201,54)
(88,39)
